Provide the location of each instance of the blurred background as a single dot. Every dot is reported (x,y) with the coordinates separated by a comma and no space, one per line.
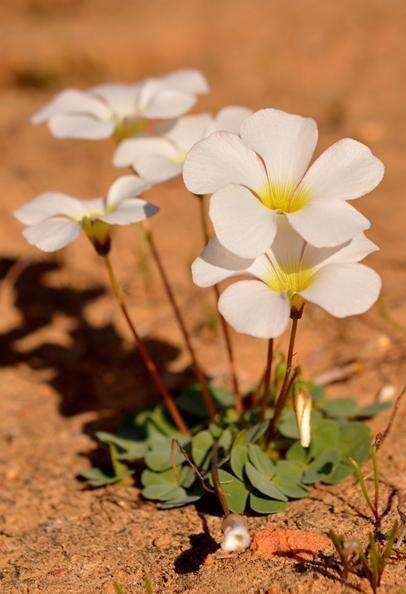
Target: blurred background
(341,63)
(67,366)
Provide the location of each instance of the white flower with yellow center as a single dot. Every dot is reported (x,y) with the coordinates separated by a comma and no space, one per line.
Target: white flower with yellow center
(265,171)
(285,275)
(53,219)
(121,109)
(162,157)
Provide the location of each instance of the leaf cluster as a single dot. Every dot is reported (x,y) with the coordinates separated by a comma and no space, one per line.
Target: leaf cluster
(253,476)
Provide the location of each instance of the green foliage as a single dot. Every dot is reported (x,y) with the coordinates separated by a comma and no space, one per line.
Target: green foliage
(178,471)
(369,562)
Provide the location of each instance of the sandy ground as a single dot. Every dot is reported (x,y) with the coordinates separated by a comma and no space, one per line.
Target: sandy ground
(67,365)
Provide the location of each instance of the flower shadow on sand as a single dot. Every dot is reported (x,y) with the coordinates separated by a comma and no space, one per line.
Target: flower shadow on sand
(96,371)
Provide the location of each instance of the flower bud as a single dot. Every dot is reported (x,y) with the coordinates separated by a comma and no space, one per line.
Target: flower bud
(236,535)
(99,234)
(303,409)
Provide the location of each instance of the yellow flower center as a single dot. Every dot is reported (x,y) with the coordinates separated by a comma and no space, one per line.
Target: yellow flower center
(289,278)
(128,127)
(284,197)
(178,158)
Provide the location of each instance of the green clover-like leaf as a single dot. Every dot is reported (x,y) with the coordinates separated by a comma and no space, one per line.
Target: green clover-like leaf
(263,483)
(260,460)
(201,444)
(266,506)
(235,491)
(238,459)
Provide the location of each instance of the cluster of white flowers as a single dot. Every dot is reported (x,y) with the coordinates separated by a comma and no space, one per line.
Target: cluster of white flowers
(277,218)
(283,222)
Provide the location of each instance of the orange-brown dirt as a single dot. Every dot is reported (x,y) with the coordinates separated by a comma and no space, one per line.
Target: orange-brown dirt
(300,544)
(67,363)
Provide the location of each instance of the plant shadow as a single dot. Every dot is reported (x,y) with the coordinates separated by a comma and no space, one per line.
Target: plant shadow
(96,371)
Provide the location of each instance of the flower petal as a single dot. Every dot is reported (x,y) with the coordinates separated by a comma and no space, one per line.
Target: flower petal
(328,223)
(253,308)
(47,205)
(130,210)
(286,143)
(128,151)
(219,160)
(345,171)
(126,186)
(120,98)
(187,80)
(241,222)
(288,246)
(155,100)
(215,264)
(344,289)
(229,119)
(188,130)
(71,101)
(80,126)
(52,234)
(353,251)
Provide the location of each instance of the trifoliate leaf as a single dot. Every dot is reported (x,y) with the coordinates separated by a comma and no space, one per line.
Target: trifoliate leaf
(266,506)
(201,444)
(370,410)
(163,492)
(325,436)
(355,440)
(238,459)
(163,457)
(260,460)
(172,503)
(340,407)
(296,453)
(289,470)
(187,476)
(168,477)
(340,472)
(234,490)
(226,440)
(263,483)
(322,466)
(128,449)
(95,477)
(287,425)
(255,432)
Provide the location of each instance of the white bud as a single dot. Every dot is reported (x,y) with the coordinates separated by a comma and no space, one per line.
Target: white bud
(303,410)
(386,393)
(236,536)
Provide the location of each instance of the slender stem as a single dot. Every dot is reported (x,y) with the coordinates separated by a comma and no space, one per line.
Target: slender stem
(376,486)
(148,361)
(216,479)
(208,399)
(223,323)
(267,380)
(286,384)
(258,391)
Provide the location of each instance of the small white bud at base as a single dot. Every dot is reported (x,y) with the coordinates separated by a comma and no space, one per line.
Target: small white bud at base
(303,410)
(236,535)
(386,393)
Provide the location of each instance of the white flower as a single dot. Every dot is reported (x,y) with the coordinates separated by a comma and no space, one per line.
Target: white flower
(290,270)
(100,111)
(236,535)
(53,219)
(162,157)
(303,409)
(264,171)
